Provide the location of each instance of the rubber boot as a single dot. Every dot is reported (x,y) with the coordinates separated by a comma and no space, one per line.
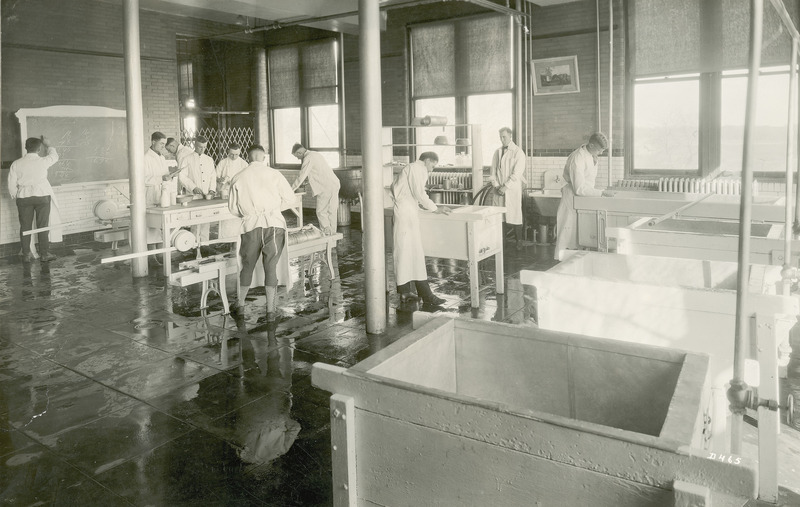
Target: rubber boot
(272,314)
(518,232)
(406,296)
(427,295)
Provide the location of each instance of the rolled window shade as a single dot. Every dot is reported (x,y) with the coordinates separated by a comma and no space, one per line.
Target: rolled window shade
(666,36)
(319,75)
(471,55)
(776,41)
(284,76)
(303,74)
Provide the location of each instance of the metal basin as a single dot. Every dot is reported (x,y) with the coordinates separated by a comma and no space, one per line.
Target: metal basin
(543,203)
(350,180)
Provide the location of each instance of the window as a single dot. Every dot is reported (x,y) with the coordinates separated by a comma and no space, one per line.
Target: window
(769,134)
(666,125)
(491,112)
(303,100)
(287,131)
(463,70)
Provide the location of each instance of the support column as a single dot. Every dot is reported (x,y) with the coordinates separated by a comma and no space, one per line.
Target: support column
(135,124)
(262,102)
(369,21)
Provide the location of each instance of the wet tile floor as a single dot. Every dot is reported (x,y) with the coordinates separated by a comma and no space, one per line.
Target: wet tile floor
(116,391)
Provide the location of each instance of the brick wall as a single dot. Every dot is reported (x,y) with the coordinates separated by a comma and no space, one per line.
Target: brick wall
(71,53)
(564,122)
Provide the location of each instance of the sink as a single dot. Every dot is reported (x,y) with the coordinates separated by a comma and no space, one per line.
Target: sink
(542,202)
(350,180)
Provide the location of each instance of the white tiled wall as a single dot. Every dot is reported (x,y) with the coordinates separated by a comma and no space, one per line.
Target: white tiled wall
(75,202)
(538,165)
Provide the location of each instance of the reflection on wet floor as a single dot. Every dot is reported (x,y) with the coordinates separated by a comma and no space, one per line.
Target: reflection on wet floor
(117,392)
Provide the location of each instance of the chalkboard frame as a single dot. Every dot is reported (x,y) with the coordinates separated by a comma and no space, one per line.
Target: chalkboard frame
(67,112)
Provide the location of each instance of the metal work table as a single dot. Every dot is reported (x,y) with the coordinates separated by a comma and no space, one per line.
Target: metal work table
(469,233)
(199,211)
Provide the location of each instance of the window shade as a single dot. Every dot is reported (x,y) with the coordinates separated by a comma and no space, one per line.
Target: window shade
(303,74)
(462,57)
(686,36)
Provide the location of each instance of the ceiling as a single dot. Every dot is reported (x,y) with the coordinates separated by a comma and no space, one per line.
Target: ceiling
(252,13)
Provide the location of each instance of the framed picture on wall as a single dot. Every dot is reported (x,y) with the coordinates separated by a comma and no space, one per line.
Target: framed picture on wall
(552,76)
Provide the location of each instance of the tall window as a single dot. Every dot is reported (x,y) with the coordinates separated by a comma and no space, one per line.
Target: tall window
(303,99)
(463,70)
(666,124)
(769,133)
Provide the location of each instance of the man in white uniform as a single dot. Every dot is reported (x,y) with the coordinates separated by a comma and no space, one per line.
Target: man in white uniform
(507,177)
(155,169)
(324,185)
(179,151)
(198,177)
(227,168)
(258,194)
(408,192)
(580,172)
(29,187)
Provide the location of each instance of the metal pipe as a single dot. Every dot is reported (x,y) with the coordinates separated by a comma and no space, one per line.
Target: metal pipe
(610,87)
(517,31)
(369,52)
(262,100)
(599,111)
(342,108)
(135,124)
(529,20)
(523,96)
(738,391)
(791,145)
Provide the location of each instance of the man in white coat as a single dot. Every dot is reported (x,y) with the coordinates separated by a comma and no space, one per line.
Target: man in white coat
(408,192)
(507,177)
(227,168)
(324,186)
(258,194)
(199,177)
(580,173)
(155,169)
(178,150)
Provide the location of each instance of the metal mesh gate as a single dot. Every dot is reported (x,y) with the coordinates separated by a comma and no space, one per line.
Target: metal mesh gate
(219,139)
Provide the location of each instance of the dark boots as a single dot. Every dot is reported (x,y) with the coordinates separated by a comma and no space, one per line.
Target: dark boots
(426,294)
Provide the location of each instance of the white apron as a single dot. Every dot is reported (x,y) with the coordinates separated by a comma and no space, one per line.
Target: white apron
(409,258)
(566,222)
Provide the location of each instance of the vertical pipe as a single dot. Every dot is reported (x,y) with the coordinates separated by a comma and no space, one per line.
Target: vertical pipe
(369,52)
(524,68)
(342,108)
(528,70)
(610,88)
(791,145)
(262,100)
(135,124)
(597,20)
(517,31)
(737,393)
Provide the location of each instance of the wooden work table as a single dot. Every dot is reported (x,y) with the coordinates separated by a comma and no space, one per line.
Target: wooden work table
(470,233)
(199,211)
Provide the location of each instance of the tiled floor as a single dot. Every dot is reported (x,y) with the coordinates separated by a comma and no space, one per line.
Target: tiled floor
(119,392)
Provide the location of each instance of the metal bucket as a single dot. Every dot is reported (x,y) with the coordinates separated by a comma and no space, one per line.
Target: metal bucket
(343,215)
(436,197)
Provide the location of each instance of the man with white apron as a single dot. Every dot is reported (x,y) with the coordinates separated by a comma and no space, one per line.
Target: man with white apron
(258,194)
(507,177)
(580,173)
(408,192)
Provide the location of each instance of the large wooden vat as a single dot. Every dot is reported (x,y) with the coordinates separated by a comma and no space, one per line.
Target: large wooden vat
(469,413)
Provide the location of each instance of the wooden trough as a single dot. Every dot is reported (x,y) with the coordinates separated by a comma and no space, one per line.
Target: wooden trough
(465,412)
(663,301)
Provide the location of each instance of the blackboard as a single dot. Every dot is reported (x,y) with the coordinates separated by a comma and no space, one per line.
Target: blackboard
(91,148)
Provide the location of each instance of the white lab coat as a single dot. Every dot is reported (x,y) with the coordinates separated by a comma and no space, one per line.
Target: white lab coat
(509,170)
(408,191)
(580,173)
(228,168)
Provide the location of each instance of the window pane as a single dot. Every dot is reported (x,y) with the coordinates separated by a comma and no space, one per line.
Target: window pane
(443,106)
(491,112)
(331,157)
(323,127)
(769,135)
(666,126)
(287,132)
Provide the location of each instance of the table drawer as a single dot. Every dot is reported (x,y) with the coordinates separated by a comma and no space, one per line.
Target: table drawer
(205,213)
(176,218)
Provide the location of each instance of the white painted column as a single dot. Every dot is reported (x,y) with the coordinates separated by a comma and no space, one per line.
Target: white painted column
(262,102)
(369,52)
(135,123)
